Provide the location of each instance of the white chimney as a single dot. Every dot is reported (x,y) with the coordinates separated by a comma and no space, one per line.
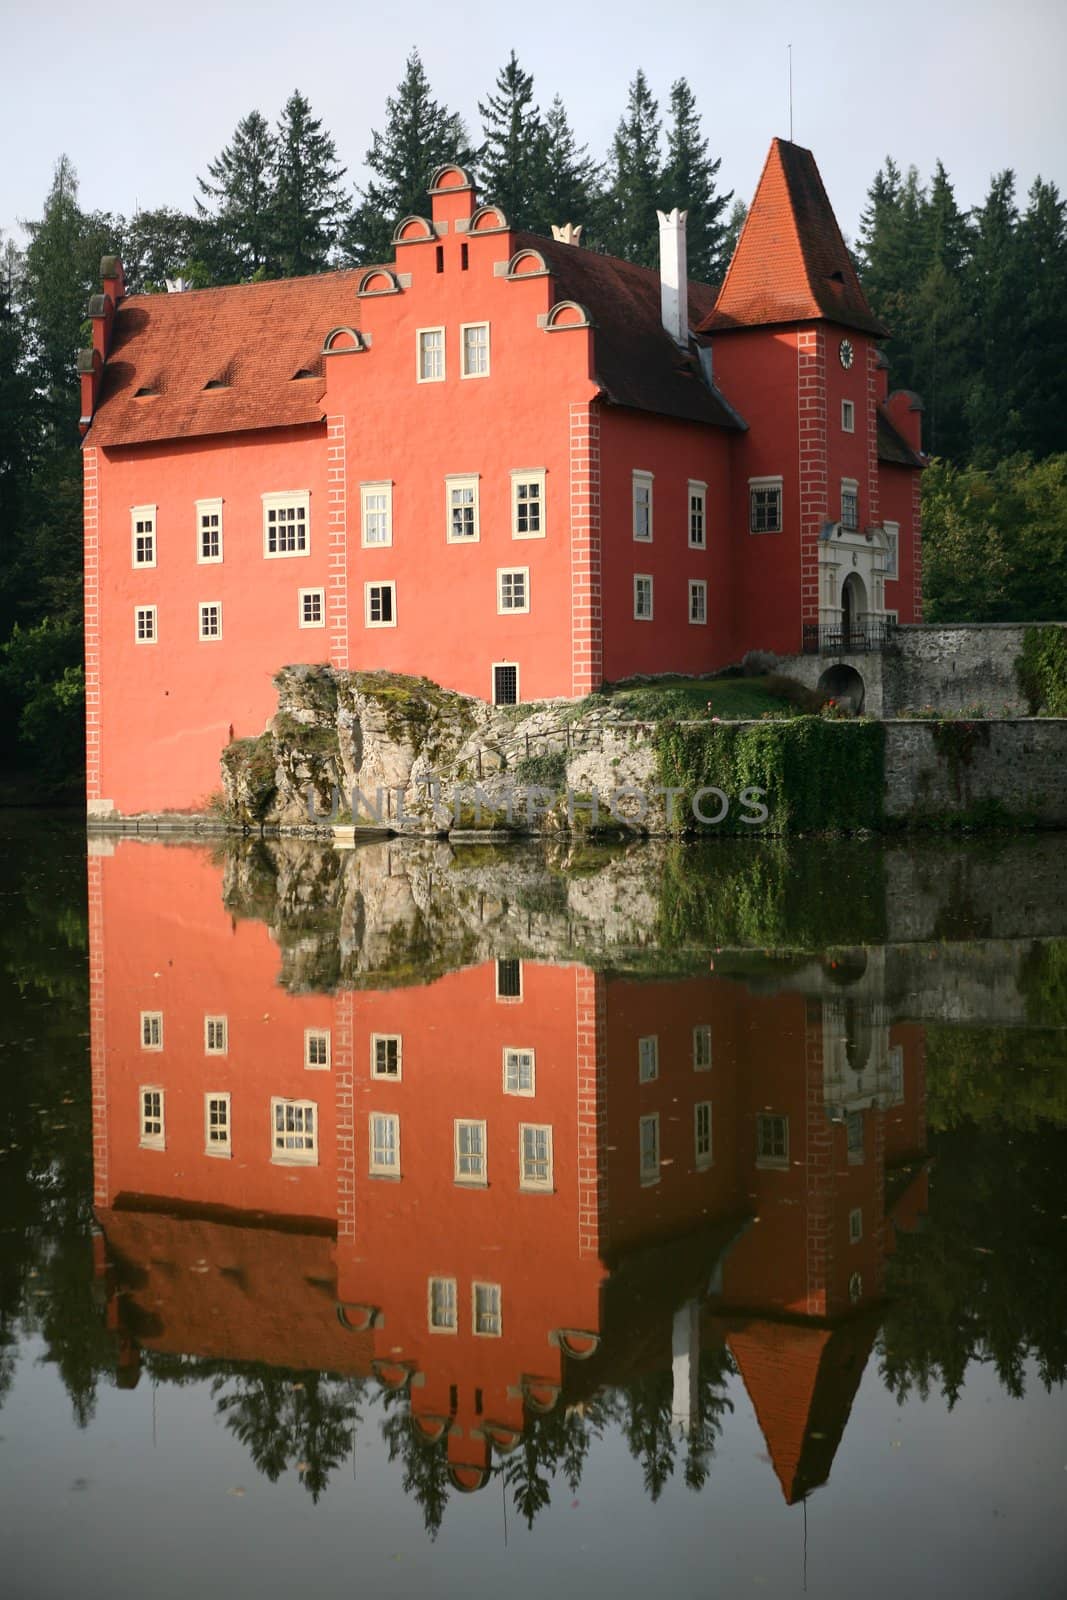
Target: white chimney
(673,275)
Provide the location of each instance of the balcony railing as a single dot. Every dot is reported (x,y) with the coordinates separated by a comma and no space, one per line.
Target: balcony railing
(834,638)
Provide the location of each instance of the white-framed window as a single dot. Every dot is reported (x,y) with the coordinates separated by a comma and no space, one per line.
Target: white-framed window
(217,1125)
(379,605)
(287,523)
(765,505)
(642,597)
(896,1073)
(698,601)
(850,505)
(893,617)
(208,532)
(469,1151)
(698,515)
(461,506)
(528,503)
(151,1030)
(485,1309)
(855,1225)
(702,1047)
(892,554)
(145,628)
(430,355)
(702,1133)
(143,536)
(216,1036)
(294,1131)
(210,614)
(387,1056)
(508,978)
(311,608)
(848,416)
(474,348)
(648,1058)
(441,1305)
(642,506)
(317,1049)
(535,1155)
(512,589)
(376,513)
(505,683)
(384,1131)
(854,1137)
(648,1135)
(772,1140)
(153,1126)
(520,1071)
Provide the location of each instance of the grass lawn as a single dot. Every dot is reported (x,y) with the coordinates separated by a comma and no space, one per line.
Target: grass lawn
(688,698)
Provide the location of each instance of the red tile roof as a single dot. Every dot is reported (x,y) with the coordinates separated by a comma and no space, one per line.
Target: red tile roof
(791,263)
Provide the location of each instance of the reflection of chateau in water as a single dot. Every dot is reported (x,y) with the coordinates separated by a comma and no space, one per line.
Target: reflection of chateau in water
(504,1191)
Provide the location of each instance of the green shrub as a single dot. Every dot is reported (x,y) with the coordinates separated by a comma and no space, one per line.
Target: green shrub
(1042,670)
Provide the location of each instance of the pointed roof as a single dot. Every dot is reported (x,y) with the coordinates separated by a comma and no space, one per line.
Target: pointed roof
(791,263)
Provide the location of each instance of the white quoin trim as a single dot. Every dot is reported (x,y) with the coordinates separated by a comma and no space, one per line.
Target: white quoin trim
(674,275)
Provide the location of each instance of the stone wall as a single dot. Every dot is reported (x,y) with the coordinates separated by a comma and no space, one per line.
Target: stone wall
(980,771)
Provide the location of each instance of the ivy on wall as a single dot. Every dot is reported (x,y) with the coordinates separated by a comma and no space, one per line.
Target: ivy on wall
(1042,670)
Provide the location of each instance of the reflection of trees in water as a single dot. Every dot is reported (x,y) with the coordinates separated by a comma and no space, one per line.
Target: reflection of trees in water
(287,1419)
(424,1461)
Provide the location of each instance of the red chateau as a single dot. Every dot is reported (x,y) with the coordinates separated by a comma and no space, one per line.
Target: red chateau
(507,463)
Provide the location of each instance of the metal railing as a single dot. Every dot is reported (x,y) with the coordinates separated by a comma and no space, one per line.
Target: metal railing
(833,638)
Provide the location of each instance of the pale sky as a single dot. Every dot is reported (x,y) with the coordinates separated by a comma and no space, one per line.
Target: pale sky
(142,99)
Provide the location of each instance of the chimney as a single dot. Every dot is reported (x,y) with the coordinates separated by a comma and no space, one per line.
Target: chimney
(673,275)
(569,233)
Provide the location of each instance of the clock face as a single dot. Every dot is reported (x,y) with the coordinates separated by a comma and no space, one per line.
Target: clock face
(846,353)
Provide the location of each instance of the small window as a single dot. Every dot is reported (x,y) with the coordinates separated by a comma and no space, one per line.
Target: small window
(286,519)
(462,507)
(642,506)
(384,1144)
(470,1152)
(855,1225)
(848,417)
(386,1056)
(143,535)
(431,355)
(772,1141)
(850,505)
(854,1137)
(145,630)
(487,1309)
(474,338)
(892,554)
(765,505)
(855,1288)
(896,1074)
(698,515)
(376,510)
(317,1049)
(153,1131)
(519,1071)
(702,1133)
(294,1126)
(528,505)
(210,619)
(698,601)
(649,1142)
(509,979)
(535,1155)
(208,531)
(642,597)
(379,601)
(217,1125)
(216,1036)
(311,611)
(512,589)
(442,1305)
(648,1059)
(151,1030)
(505,683)
(702,1047)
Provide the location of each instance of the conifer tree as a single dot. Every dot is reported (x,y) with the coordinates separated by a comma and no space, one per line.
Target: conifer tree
(308,207)
(688,181)
(513,157)
(1043,263)
(570,177)
(240,187)
(633,194)
(166,244)
(996,293)
(938,325)
(732,231)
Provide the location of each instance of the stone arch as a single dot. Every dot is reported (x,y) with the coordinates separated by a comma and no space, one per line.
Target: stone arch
(844,684)
(576,1343)
(413,230)
(356,1318)
(467,1477)
(488,219)
(379,280)
(342,341)
(567,314)
(451,177)
(528,263)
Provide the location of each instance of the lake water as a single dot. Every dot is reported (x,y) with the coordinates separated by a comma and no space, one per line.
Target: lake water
(463,1221)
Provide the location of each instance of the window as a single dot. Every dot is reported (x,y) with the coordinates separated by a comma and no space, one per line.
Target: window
(698,515)
(765,505)
(143,535)
(698,601)
(649,1133)
(896,1073)
(210,619)
(462,503)
(153,1136)
(312,608)
(648,1059)
(772,1141)
(528,504)
(295,1138)
(376,511)
(505,683)
(151,1030)
(217,1125)
(642,506)
(470,1157)
(509,980)
(642,597)
(702,1133)
(384,1145)
(144,625)
(208,531)
(487,1309)
(386,1056)
(216,1038)
(442,1299)
(518,1071)
(855,1226)
(892,554)
(317,1049)
(702,1047)
(431,355)
(379,604)
(285,524)
(535,1155)
(850,505)
(854,1137)
(848,417)
(512,589)
(474,341)
(855,1288)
